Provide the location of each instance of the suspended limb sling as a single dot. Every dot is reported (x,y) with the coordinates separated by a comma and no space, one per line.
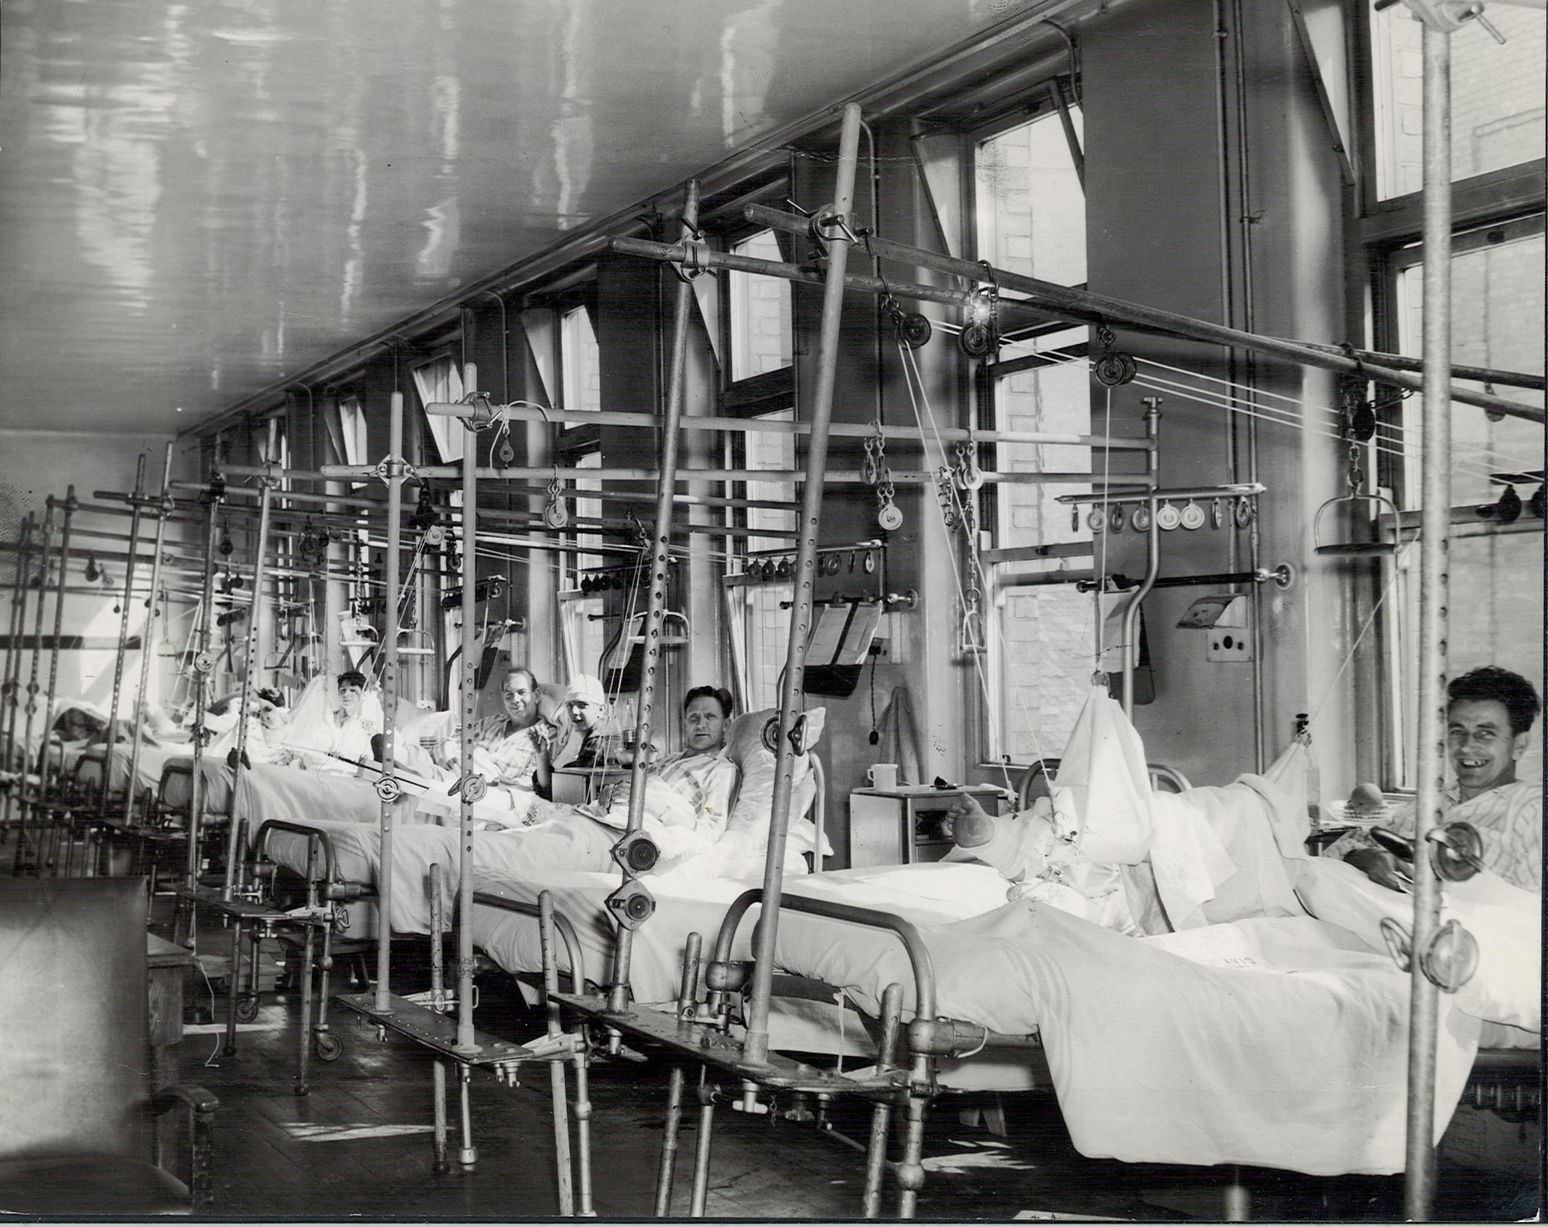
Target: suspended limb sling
(164,509)
(839,239)
(391,471)
(8,710)
(1434,582)
(237,759)
(137,506)
(656,603)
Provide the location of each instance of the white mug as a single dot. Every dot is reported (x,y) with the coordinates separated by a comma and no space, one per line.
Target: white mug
(883,775)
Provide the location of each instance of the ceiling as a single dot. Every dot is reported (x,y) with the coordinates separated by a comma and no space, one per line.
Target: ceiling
(200,199)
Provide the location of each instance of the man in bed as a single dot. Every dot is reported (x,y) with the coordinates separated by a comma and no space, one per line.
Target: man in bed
(1489,720)
(508,746)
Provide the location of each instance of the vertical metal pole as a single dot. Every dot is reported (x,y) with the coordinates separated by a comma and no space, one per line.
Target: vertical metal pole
(201,666)
(13,648)
(1434,582)
(393,475)
(439,1163)
(756,1045)
(667,1166)
(249,672)
(666,489)
(881,1111)
(469,691)
(698,1195)
(135,518)
(69,506)
(1131,611)
(562,1168)
(146,639)
(25,790)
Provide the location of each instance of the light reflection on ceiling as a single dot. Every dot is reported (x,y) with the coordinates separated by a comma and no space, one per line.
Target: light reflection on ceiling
(200,199)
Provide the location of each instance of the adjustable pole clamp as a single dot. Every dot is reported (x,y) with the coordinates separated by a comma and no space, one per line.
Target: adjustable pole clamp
(388,788)
(389,467)
(695,259)
(472,788)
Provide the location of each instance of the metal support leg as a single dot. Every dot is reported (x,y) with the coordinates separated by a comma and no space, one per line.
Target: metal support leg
(438,1139)
(674,1118)
(303,1027)
(583,1130)
(1238,1201)
(701,1150)
(233,987)
(561,1139)
(881,1112)
(910,1168)
(468,1155)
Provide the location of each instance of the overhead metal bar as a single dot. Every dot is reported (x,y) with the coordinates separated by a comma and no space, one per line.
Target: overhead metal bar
(138,502)
(842,430)
(655,608)
(1083,304)
(147,639)
(838,477)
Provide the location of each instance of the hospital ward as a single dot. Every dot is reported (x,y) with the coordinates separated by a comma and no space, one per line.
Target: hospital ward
(758,609)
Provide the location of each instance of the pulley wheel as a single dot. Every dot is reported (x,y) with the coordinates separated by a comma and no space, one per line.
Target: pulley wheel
(1452,958)
(890,517)
(976,340)
(914,330)
(1114,369)
(1457,851)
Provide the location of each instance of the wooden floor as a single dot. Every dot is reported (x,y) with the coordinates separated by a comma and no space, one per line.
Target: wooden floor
(359,1145)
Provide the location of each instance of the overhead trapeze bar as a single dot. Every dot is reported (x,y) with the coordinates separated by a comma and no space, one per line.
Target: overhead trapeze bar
(1083,304)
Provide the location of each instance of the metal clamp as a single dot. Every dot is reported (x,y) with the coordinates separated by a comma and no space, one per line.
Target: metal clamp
(389,467)
(472,788)
(388,788)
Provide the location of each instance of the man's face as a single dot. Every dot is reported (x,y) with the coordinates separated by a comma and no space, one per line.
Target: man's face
(517,698)
(270,716)
(584,714)
(1483,749)
(704,724)
(349,698)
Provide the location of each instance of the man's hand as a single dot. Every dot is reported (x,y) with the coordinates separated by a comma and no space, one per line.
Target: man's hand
(1381,867)
(967,823)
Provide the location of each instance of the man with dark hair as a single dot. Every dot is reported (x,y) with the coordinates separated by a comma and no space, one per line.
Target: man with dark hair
(508,746)
(1489,721)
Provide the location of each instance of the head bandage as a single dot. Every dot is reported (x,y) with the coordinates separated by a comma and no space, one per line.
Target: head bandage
(585,689)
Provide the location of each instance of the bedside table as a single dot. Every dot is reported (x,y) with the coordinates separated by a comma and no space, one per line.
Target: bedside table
(902,826)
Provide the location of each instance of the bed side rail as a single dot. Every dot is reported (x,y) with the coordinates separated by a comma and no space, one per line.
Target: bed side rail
(562,923)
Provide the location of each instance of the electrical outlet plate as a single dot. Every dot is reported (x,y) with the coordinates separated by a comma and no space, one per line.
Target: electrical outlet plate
(1228,643)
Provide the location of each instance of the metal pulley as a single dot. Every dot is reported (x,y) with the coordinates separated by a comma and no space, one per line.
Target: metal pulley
(1456,851)
(636,853)
(631,904)
(1449,961)
(388,788)
(1114,369)
(203,662)
(889,516)
(472,788)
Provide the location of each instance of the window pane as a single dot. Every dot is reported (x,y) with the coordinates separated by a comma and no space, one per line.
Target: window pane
(1497,321)
(767,626)
(1496,96)
(440,382)
(578,356)
(760,313)
(1046,669)
(1031,215)
(1495,616)
(1031,209)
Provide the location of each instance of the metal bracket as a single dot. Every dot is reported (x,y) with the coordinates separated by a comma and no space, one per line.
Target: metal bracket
(389,467)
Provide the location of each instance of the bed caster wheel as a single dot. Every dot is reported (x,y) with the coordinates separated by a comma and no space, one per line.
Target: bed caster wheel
(246,1009)
(327,1048)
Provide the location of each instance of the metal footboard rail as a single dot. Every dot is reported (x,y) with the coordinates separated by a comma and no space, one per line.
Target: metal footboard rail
(566,931)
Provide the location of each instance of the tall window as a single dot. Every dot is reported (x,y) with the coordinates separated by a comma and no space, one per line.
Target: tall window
(1497,319)
(760,313)
(440,382)
(579,360)
(1031,218)
(763,637)
(580,613)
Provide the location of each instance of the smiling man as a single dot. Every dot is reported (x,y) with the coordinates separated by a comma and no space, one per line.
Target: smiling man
(1488,729)
(507,747)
